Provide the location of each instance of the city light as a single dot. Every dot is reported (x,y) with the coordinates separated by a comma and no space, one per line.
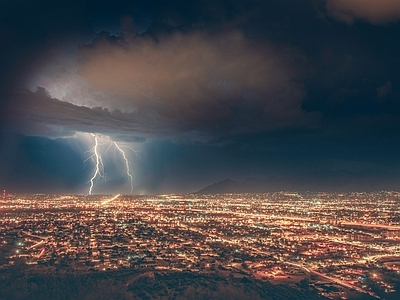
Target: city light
(343,239)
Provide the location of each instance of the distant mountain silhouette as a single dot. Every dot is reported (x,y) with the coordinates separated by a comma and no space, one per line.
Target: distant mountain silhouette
(328,181)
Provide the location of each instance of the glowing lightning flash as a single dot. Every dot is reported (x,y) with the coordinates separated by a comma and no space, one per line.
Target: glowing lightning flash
(99,168)
(96,157)
(126,164)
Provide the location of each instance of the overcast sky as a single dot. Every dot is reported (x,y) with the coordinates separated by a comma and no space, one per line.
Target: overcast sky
(196,92)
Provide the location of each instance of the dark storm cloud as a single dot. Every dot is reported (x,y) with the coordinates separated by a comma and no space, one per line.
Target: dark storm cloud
(202,81)
(219,67)
(376,12)
(265,86)
(195,70)
(29,27)
(36,113)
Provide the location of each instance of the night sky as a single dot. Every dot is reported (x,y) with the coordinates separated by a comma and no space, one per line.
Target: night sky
(199,91)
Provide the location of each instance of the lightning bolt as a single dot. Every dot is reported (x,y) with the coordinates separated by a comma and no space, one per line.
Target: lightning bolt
(126,164)
(99,167)
(95,154)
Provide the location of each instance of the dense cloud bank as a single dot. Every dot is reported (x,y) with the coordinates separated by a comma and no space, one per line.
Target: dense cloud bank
(376,12)
(242,88)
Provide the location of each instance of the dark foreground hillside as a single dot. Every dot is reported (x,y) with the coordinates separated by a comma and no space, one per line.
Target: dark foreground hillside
(148,285)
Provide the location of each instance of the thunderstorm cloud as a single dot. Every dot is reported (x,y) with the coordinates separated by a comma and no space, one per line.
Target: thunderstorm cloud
(36,113)
(204,90)
(211,84)
(373,11)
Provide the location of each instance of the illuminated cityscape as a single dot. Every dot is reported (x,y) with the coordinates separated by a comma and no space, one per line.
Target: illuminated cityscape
(341,244)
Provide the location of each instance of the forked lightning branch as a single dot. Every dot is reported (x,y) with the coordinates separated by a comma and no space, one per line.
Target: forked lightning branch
(99,171)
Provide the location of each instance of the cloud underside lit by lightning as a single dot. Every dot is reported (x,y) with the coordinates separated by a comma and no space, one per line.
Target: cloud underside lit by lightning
(97,159)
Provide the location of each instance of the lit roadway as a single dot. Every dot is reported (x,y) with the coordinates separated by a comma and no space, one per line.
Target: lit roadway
(388,227)
(252,215)
(109,200)
(34,236)
(332,279)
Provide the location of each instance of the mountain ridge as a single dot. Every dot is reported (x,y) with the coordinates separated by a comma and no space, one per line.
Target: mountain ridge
(323,181)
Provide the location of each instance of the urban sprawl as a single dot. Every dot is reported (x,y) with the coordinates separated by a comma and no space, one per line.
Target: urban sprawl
(338,243)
